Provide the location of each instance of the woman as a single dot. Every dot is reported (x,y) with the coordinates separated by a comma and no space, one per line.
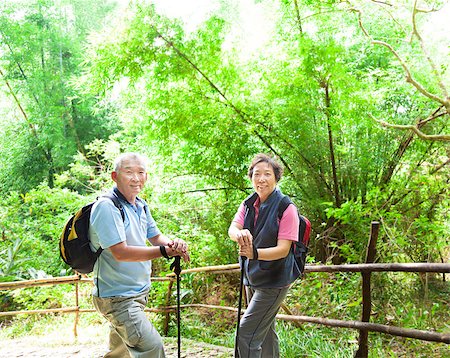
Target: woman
(268,265)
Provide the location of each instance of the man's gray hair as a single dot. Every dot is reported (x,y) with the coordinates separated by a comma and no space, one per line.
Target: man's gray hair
(118,162)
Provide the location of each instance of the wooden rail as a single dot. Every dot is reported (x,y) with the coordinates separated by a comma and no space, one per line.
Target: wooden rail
(74,279)
(364,326)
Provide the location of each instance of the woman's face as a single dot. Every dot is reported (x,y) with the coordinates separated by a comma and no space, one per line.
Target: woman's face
(263,180)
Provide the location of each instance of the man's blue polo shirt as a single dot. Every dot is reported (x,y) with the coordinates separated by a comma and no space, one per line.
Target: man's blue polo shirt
(118,278)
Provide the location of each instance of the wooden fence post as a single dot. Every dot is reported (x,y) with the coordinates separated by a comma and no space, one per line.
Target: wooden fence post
(363,350)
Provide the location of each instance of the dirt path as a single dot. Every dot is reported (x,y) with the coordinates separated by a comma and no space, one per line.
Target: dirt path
(58,341)
(34,347)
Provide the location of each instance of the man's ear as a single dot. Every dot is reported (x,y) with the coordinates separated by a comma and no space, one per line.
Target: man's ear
(114,176)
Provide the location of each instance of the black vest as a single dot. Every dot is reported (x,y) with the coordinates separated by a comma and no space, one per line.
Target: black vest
(259,273)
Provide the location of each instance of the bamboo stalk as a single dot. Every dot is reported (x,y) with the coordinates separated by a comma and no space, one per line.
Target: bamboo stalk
(77,313)
(39,282)
(396,267)
(393,267)
(57,281)
(47,311)
(374,327)
(368,267)
(76,309)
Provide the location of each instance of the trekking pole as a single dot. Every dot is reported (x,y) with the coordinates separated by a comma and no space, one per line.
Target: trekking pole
(241,285)
(176,266)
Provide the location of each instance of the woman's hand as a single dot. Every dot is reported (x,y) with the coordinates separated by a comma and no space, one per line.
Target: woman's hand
(245,242)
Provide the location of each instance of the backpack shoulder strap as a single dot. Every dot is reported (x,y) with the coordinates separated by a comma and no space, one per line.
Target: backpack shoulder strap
(249,215)
(115,199)
(284,203)
(144,203)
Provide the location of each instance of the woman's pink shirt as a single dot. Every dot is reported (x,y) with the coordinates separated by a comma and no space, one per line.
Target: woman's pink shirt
(288,225)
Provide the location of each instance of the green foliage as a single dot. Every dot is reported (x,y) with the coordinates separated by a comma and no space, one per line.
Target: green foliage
(46,122)
(37,219)
(10,265)
(39,298)
(312,341)
(209,110)
(198,326)
(328,295)
(399,299)
(90,172)
(197,219)
(199,104)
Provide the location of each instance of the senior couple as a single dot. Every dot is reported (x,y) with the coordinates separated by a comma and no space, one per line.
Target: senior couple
(122,271)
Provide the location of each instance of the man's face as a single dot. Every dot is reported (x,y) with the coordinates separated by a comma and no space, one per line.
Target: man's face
(130,178)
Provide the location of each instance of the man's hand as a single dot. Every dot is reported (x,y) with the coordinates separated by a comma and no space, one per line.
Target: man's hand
(179,247)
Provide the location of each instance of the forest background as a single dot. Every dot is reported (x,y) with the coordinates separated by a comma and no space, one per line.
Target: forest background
(351,96)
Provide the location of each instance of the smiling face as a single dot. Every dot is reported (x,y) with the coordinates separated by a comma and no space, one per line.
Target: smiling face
(263,180)
(130,177)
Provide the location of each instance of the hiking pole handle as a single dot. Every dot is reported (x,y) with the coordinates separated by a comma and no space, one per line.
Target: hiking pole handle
(176,265)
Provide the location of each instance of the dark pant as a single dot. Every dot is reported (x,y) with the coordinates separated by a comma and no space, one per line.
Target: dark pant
(257,336)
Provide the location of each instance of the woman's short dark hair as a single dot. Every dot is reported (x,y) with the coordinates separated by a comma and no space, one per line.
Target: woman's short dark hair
(264,158)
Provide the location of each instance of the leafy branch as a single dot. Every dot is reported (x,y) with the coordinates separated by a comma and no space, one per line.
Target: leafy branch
(416,127)
(227,102)
(444,101)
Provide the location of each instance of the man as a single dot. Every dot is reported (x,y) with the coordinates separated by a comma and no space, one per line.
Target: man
(122,271)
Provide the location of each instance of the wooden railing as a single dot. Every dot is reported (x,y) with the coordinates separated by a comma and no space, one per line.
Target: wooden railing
(364,326)
(76,280)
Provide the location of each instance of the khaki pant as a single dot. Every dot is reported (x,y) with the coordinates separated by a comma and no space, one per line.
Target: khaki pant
(131,333)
